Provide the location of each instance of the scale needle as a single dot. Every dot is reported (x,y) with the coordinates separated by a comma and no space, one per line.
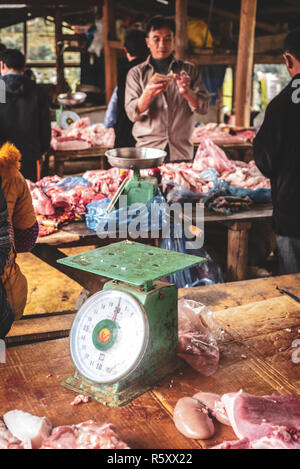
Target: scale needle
(116,311)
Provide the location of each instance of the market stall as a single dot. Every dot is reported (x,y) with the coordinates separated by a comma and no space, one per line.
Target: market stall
(255,357)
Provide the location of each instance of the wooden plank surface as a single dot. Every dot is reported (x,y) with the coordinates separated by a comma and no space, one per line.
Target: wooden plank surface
(259,325)
(30,381)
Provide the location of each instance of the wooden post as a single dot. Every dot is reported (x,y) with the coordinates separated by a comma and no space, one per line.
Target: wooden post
(181,28)
(61,83)
(237,251)
(245,59)
(110,54)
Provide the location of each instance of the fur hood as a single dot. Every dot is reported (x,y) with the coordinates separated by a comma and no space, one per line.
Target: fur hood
(9,160)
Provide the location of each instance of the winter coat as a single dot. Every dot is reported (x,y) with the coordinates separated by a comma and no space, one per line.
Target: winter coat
(22,217)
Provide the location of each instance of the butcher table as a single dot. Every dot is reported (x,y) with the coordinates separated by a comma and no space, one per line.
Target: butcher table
(259,326)
(77,234)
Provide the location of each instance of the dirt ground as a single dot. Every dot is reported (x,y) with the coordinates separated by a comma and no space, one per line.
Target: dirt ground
(48,289)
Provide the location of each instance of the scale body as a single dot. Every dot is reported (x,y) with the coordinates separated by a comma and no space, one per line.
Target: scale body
(124,339)
(138,189)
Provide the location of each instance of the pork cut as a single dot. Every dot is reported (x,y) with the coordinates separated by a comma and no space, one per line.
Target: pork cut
(86,435)
(266,421)
(27,427)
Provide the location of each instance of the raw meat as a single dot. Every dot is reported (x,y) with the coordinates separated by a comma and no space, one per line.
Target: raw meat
(209,155)
(214,405)
(80,399)
(219,134)
(263,422)
(82,135)
(192,420)
(41,203)
(9,441)
(196,342)
(86,435)
(255,417)
(25,426)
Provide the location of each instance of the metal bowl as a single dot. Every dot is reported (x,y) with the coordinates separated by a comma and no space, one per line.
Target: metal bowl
(71,99)
(135,158)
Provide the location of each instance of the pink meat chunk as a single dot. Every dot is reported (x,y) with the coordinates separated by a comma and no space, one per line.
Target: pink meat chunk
(86,435)
(256,417)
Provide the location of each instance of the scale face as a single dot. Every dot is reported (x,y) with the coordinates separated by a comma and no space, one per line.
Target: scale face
(109,336)
(124,339)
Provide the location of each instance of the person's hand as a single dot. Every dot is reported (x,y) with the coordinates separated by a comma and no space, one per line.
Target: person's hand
(151,91)
(183,82)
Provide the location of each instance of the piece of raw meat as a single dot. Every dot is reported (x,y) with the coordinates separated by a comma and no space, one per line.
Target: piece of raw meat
(41,203)
(192,420)
(86,435)
(9,441)
(25,426)
(255,417)
(214,405)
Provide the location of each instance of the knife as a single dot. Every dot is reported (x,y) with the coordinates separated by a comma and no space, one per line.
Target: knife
(286,292)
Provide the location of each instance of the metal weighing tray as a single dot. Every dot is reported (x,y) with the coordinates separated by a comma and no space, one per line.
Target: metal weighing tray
(135,158)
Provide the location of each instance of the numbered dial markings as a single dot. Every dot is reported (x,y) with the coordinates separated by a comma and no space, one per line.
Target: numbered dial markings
(109,336)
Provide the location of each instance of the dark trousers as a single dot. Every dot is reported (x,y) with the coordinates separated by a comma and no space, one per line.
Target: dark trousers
(289,254)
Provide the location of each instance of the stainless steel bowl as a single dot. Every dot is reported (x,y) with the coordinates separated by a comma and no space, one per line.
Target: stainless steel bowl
(135,158)
(71,99)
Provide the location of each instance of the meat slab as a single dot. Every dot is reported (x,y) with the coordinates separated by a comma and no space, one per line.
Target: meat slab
(27,431)
(263,422)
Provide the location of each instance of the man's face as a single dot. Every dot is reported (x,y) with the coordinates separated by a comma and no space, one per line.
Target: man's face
(161,43)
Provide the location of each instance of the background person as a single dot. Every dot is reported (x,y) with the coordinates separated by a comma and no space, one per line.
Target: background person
(162,112)
(25,116)
(277,155)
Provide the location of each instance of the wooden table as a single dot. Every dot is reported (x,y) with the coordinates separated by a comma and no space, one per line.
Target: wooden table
(61,156)
(77,234)
(259,325)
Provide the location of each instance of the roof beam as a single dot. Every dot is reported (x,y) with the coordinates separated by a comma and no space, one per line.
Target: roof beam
(233,16)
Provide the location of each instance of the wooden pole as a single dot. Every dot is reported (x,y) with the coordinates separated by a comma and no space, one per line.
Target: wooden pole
(61,83)
(181,28)
(110,54)
(245,60)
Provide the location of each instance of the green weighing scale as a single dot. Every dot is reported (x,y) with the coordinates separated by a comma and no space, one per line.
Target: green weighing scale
(64,116)
(137,189)
(124,338)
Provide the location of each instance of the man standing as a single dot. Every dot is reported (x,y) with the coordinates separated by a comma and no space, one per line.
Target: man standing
(277,155)
(162,94)
(25,115)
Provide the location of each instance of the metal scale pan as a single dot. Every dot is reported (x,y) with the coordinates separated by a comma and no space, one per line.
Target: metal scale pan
(135,158)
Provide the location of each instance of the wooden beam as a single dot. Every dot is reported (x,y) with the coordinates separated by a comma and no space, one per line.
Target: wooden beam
(181,7)
(268,43)
(245,60)
(234,16)
(231,59)
(110,54)
(25,39)
(61,82)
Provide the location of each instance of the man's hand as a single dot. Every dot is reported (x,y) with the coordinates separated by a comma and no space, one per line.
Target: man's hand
(151,91)
(183,82)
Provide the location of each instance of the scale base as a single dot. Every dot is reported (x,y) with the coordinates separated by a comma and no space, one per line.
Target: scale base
(121,393)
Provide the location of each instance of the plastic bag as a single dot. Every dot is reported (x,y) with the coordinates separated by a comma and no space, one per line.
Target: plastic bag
(134,218)
(207,273)
(198,336)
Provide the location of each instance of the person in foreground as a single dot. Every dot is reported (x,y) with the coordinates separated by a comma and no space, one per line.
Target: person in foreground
(23,226)
(277,155)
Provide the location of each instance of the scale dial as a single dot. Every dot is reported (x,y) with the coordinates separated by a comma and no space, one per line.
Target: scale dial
(109,336)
